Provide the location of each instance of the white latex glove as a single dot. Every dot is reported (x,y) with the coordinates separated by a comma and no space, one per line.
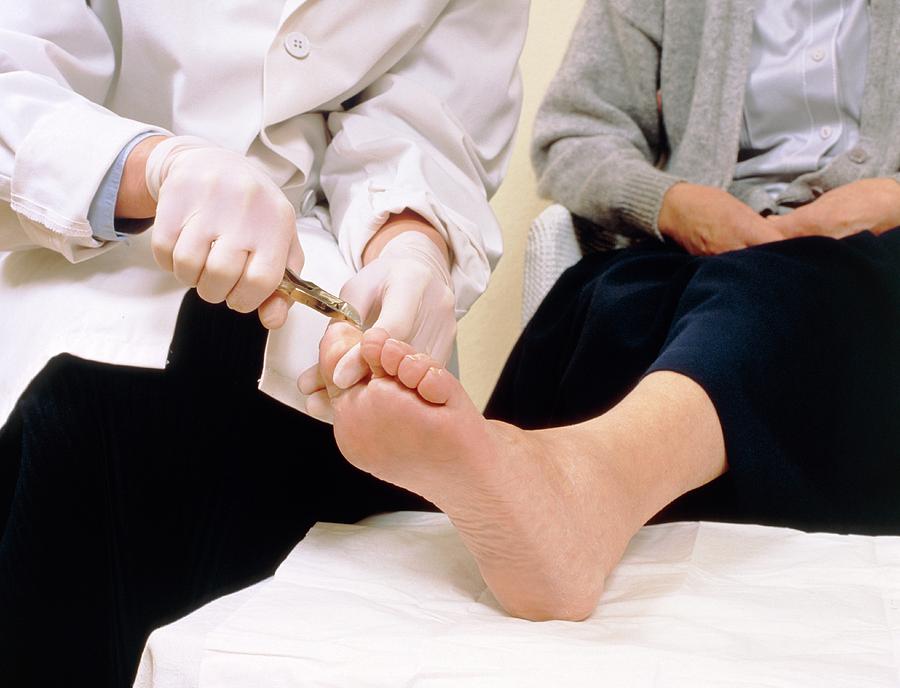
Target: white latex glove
(405,291)
(223,226)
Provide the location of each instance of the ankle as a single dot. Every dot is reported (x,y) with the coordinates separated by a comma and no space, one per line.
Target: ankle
(607,458)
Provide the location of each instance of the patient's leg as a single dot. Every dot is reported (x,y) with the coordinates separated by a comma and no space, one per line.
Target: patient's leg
(547,514)
(793,350)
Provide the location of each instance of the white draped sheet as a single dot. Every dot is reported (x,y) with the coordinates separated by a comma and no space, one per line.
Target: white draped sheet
(398,601)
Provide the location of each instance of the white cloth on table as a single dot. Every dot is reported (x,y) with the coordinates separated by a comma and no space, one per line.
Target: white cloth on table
(398,601)
(172,659)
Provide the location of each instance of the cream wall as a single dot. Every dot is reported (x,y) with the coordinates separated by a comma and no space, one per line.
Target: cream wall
(488,332)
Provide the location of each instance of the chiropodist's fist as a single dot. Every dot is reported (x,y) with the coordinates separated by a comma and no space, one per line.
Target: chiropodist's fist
(222,226)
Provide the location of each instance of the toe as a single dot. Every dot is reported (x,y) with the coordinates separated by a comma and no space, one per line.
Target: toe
(371,347)
(350,369)
(273,312)
(310,380)
(436,386)
(413,368)
(318,405)
(339,338)
(393,353)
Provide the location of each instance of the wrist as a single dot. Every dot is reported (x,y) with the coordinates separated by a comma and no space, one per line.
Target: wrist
(134,200)
(892,186)
(406,221)
(891,219)
(667,221)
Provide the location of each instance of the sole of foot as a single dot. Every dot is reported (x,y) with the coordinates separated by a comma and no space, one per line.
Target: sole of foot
(542,513)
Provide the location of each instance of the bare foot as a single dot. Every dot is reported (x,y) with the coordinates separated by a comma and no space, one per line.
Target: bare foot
(545,515)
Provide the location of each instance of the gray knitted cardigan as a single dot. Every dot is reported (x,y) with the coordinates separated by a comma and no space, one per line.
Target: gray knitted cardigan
(599,137)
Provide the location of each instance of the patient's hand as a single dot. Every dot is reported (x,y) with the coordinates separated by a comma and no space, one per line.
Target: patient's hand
(867,204)
(706,220)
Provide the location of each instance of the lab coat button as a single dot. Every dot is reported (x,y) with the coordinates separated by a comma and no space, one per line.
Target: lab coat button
(297,45)
(858,155)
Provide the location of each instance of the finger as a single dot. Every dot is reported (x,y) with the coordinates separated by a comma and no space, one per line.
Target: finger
(261,277)
(443,346)
(413,368)
(393,353)
(438,336)
(770,231)
(399,309)
(435,329)
(273,312)
(777,223)
(310,381)
(190,254)
(372,343)
(318,406)
(166,228)
(363,292)
(224,267)
(797,223)
(352,368)
(773,236)
(296,258)
(263,273)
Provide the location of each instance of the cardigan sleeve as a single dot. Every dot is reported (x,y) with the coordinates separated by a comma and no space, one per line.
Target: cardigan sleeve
(598,134)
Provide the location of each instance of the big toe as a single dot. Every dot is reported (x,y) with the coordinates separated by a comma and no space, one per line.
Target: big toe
(338,339)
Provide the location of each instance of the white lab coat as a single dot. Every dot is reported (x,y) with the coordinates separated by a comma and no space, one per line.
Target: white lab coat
(398,104)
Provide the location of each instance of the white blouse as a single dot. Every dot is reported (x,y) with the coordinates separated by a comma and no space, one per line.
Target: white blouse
(808,67)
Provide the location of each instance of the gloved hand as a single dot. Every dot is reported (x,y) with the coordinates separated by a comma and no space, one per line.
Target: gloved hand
(223,226)
(405,291)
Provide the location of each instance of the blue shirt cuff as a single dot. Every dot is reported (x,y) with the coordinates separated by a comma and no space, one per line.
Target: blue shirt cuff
(102,213)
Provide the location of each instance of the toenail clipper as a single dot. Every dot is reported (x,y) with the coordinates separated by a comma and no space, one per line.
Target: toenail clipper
(312,295)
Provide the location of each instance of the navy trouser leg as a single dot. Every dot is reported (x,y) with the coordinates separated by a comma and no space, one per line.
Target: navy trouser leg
(138,495)
(796,344)
(597,331)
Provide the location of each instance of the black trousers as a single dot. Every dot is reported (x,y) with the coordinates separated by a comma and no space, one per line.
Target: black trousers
(129,497)
(797,344)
